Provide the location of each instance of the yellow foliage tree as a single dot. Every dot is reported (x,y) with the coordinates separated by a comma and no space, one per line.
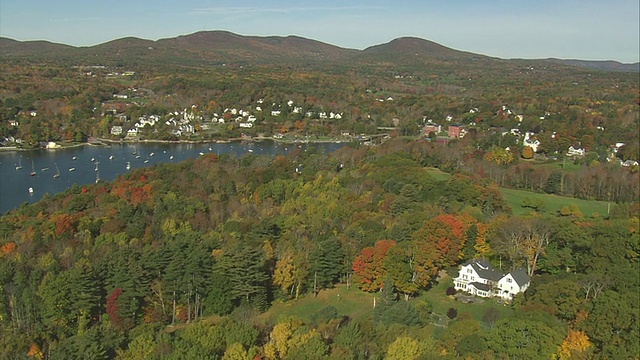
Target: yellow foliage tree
(286,335)
(235,352)
(283,274)
(482,247)
(574,345)
(404,348)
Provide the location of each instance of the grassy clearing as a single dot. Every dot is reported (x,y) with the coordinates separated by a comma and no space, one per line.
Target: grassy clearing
(552,203)
(353,302)
(437,174)
(358,304)
(441,303)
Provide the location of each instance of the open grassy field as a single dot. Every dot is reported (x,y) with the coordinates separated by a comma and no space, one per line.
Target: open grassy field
(552,203)
(437,174)
(353,302)
(441,303)
(358,304)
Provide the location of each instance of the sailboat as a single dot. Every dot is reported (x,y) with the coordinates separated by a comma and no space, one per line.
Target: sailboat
(128,165)
(97,173)
(57,174)
(33,169)
(19,164)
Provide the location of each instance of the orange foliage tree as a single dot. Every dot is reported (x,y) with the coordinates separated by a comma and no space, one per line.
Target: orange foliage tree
(369,272)
(447,235)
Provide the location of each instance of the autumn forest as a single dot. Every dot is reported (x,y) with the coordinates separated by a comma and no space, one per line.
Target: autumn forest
(312,255)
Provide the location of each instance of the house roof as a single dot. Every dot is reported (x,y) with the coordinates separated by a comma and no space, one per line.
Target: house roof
(480,286)
(484,270)
(520,276)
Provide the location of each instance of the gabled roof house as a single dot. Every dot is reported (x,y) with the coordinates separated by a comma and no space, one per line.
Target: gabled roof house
(477,277)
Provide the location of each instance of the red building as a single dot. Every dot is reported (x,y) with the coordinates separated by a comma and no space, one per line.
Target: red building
(456,131)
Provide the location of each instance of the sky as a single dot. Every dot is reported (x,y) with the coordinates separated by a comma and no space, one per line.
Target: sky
(532,29)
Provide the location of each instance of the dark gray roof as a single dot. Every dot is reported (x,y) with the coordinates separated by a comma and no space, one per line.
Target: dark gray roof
(485,270)
(480,286)
(520,276)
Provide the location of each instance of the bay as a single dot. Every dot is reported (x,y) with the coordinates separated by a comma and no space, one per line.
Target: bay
(82,165)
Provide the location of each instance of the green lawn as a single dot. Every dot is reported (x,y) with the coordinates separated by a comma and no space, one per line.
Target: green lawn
(441,303)
(552,203)
(358,304)
(437,174)
(353,302)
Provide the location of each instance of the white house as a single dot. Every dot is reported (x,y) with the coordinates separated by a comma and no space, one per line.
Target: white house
(575,152)
(116,130)
(477,277)
(530,141)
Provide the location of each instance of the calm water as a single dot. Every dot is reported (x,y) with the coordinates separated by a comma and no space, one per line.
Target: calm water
(82,165)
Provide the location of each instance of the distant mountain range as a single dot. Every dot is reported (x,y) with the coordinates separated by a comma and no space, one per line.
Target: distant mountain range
(220,47)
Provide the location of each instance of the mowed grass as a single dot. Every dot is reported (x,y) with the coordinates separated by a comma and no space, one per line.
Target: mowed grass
(353,302)
(437,174)
(358,305)
(552,203)
(437,297)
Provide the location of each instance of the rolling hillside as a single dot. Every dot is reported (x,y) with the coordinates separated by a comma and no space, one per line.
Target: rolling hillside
(218,47)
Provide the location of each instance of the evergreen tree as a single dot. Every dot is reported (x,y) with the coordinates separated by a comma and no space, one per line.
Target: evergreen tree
(327,264)
(244,270)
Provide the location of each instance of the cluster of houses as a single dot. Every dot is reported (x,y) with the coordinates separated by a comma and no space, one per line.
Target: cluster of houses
(182,122)
(455,130)
(478,278)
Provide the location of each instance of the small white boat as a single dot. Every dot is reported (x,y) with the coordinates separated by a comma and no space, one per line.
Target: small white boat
(57,174)
(33,169)
(111,157)
(19,166)
(30,190)
(93,159)
(250,150)
(151,154)
(45,169)
(146,161)
(128,165)
(171,157)
(72,169)
(74,158)
(201,153)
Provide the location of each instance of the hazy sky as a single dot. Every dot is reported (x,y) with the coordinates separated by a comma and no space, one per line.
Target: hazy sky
(577,29)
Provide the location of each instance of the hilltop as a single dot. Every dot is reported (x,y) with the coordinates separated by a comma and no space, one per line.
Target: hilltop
(223,47)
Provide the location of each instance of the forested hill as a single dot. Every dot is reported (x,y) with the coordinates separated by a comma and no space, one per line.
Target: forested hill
(222,47)
(137,268)
(601,65)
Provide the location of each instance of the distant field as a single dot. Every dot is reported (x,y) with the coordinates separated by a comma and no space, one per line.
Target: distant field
(437,174)
(552,203)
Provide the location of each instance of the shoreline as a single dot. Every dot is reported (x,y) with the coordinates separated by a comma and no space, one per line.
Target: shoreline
(108,142)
